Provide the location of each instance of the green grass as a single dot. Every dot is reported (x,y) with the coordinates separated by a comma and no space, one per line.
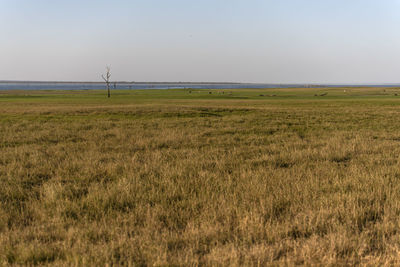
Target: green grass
(172,177)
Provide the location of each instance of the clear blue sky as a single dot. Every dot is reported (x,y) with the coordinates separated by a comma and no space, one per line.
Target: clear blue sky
(283,41)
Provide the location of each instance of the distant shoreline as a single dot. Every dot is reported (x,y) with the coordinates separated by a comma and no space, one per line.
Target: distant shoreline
(210,83)
(121,82)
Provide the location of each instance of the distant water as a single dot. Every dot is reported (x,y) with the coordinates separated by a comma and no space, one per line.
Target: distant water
(96,86)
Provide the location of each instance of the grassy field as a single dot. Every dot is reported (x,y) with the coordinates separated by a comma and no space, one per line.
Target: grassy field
(200,177)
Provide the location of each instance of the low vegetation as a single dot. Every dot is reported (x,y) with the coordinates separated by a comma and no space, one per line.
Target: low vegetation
(200,177)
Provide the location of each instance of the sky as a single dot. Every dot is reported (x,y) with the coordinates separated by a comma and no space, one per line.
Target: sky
(260,41)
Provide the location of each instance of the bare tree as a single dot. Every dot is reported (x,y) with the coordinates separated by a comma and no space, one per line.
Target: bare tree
(106,78)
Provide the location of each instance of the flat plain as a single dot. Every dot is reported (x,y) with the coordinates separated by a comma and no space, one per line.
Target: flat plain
(200,177)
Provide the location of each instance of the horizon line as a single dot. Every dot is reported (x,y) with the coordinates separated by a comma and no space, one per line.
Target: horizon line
(180,82)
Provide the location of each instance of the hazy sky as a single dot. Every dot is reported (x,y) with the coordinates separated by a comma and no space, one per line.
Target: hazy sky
(272,41)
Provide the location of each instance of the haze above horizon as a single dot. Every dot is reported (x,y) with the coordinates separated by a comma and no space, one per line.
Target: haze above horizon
(256,41)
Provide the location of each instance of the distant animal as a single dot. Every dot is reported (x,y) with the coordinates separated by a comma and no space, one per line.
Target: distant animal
(324,94)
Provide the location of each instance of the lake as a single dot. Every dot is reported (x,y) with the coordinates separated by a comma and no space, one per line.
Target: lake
(127,85)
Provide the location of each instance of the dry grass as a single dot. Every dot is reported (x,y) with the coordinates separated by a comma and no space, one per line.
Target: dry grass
(200,182)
